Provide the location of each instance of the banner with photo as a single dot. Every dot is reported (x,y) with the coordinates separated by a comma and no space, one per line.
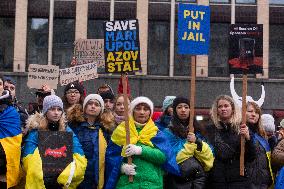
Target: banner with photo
(246,48)
(122,49)
(193,29)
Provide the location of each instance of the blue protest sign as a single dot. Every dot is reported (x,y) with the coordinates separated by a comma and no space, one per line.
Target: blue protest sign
(193,29)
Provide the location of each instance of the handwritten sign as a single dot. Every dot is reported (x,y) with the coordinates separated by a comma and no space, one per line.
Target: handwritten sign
(193,29)
(246,48)
(78,73)
(43,74)
(122,46)
(89,51)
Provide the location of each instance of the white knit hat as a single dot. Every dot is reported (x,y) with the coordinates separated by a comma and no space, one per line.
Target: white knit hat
(267,121)
(94,97)
(139,100)
(51,101)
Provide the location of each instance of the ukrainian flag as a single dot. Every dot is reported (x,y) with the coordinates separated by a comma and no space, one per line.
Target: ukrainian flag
(10,139)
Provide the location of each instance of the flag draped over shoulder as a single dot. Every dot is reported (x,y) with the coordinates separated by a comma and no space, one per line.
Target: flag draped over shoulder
(10,139)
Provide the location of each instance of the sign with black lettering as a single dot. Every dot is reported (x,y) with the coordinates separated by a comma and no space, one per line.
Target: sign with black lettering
(56,152)
(122,51)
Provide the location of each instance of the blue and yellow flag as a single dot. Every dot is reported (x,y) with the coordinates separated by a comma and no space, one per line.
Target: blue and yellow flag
(10,139)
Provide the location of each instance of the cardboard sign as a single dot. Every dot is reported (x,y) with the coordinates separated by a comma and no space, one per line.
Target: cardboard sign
(89,51)
(122,51)
(43,74)
(246,48)
(56,152)
(78,73)
(193,29)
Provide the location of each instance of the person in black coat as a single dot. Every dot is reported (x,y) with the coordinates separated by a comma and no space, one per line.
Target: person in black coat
(224,135)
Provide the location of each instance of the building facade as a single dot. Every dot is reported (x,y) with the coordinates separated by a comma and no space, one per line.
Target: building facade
(43,32)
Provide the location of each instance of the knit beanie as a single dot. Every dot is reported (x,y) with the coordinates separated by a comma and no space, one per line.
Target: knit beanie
(107,95)
(94,97)
(74,85)
(51,101)
(267,121)
(179,100)
(140,100)
(167,102)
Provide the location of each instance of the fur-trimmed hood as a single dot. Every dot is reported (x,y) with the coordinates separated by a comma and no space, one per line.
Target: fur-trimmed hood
(39,121)
(75,115)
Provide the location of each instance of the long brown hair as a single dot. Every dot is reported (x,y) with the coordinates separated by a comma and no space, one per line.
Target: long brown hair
(259,127)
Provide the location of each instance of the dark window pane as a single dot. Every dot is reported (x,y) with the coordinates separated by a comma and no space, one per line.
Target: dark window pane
(218,54)
(63,39)
(276,51)
(7,30)
(96,29)
(37,41)
(158,47)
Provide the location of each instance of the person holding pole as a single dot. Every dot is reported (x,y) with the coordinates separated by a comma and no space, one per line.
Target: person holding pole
(193,155)
(148,147)
(224,135)
(259,170)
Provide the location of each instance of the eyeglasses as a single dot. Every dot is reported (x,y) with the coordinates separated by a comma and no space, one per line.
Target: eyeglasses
(72,91)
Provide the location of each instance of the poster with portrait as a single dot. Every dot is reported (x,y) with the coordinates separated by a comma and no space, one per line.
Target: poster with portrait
(246,48)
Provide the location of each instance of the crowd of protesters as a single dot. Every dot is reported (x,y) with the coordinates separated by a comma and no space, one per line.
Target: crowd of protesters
(161,151)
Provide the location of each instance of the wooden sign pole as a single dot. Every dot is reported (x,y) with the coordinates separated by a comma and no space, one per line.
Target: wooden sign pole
(126,115)
(244,110)
(192,93)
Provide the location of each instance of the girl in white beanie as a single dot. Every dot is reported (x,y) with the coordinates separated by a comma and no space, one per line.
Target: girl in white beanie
(87,123)
(148,147)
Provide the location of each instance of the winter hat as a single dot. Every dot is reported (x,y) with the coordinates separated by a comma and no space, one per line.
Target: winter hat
(94,97)
(167,102)
(51,101)
(107,95)
(267,121)
(10,80)
(281,124)
(139,100)
(179,100)
(74,85)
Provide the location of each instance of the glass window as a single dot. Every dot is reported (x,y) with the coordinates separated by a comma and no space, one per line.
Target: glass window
(276,51)
(218,54)
(96,29)
(63,39)
(7,30)
(276,2)
(158,47)
(37,41)
(219,1)
(246,1)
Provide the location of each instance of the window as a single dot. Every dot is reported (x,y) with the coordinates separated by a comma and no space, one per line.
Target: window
(218,54)
(246,1)
(37,41)
(158,47)
(7,30)
(276,2)
(276,51)
(219,1)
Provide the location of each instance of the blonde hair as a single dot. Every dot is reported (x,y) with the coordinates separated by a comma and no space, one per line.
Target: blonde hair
(259,129)
(235,119)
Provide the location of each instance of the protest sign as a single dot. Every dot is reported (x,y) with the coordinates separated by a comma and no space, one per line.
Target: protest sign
(78,73)
(56,152)
(122,51)
(193,29)
(40,75)
(246,48)
(89,51)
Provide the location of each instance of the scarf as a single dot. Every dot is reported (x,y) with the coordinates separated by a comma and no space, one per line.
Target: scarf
(144,136)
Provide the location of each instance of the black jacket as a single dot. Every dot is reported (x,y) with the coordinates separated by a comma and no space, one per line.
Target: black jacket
(225,173)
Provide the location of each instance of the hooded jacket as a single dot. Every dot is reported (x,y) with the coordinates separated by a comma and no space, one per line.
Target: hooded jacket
(71,176)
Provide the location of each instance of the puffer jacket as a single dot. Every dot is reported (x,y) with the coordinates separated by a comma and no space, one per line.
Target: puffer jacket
(225,173)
